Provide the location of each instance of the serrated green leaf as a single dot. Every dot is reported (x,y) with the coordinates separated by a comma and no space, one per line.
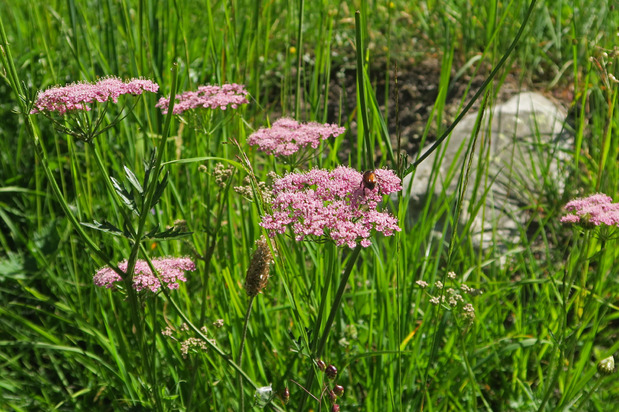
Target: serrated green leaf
(12,266)
(126,197)
(160,188)
(132,178)
(127,230)
(104,226)
(171,233)
(148,166)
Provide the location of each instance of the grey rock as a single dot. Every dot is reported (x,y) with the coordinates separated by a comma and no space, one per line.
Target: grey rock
(520,142)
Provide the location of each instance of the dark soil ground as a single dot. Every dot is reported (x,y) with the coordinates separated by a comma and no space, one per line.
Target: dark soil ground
(417,90)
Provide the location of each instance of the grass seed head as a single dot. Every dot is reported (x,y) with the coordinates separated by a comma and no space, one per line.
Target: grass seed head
(258,271)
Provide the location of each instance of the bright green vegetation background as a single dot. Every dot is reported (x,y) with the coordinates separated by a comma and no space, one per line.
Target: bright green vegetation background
(547,316)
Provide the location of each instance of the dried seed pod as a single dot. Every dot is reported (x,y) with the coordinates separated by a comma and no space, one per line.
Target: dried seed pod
(258,271)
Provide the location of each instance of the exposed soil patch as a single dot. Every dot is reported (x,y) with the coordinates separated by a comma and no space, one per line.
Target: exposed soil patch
(417,90)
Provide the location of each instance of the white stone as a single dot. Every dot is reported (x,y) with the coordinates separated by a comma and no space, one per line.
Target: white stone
(521,141)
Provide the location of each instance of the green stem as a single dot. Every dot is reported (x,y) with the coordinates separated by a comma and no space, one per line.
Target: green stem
(7,61)
(41,153)
(240,357)
(211,344)
(336,304)
(110,188)
(331,256)
(368,148)
(297,101)
(612,101)
(138,321)
(585,399)
(154,178)
(482,88)
(338,299)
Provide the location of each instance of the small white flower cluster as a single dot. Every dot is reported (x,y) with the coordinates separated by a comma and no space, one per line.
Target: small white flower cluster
(453,296)
(422,284)
(190,344)
(468,312)
(193,344)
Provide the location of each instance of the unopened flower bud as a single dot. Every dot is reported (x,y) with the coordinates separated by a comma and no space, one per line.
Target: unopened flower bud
(332,396)
(285,395)
(321,364)
(338,390)
(335,408)
(607,365)
(331,372)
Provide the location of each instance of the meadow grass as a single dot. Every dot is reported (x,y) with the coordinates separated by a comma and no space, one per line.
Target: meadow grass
(549,310)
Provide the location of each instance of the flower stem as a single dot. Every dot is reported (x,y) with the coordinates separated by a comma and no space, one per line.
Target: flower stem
(338,299)
(336,304)
(12,77)
(368,148)
(210,343)
(297,97)
(110,188)
(240,357)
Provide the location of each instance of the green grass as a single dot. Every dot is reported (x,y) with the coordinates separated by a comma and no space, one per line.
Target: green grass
(549,311)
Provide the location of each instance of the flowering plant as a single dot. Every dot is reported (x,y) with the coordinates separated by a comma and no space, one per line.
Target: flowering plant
(75,99)
(333,204)
(207,97)
(78,96)
(595,210)
(287,136)
(171,271)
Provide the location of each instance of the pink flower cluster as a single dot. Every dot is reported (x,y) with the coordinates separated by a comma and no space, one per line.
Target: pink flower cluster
(208,97)
(594,210)
(78,96)
(171,271)
(287,136)
(334,204)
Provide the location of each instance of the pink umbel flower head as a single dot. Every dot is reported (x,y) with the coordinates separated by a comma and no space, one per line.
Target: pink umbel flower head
(331,204)
(207,97)
(287,136)
(171,271)
(78,96)
(595,210)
